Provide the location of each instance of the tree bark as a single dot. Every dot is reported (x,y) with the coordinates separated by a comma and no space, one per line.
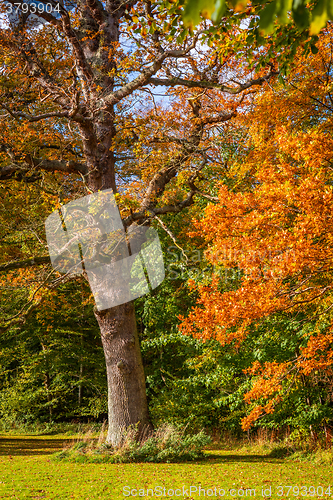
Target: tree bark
(127,401)
(80,380)
(47,381)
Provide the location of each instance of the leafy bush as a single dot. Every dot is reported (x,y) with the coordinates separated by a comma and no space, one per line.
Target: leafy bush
(166,444)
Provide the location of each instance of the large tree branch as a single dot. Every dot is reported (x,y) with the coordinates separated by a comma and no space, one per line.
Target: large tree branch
(34,118)
(97,11)
(114,97)
(20,264)
(220,118)
(83,68)
(35,66)
(167,209)
(157,185)
(160,180)
(144,78)
(189,145)
(172,82)
(19,171)
(37,70)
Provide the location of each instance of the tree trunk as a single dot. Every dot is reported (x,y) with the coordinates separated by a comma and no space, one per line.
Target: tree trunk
(47,381)
(80,385)
(127,401)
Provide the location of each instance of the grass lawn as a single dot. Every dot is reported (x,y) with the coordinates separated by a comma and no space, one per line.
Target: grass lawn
(27,471)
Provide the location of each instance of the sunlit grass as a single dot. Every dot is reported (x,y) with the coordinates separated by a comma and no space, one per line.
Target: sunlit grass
(27,471)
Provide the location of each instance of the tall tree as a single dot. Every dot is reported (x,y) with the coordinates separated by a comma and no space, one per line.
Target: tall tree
(74,101)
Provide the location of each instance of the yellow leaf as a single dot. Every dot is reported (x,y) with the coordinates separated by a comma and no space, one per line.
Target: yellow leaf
(320,16)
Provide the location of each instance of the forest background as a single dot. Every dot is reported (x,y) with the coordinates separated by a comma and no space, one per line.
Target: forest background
(238,336)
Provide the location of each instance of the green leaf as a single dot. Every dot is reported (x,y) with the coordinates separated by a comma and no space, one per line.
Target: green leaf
(194,8)
(182,36)
(301,16)
(320,15)
(267,17)
(281,79)
(250,38)
(297,4)
(220,8)
(283,8)
(314,49)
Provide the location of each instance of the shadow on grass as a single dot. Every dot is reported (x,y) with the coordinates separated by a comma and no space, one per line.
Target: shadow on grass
(31,446)
(34,446)
(241,458)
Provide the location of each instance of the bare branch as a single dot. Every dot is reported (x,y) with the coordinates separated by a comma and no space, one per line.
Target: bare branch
(145,77)
(172,82)
(210,198)
(22,318)
(172,236)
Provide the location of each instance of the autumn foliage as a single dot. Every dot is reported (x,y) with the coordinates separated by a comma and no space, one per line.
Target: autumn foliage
(273,225)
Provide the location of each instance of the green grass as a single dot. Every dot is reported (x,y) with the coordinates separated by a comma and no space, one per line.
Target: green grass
(28,472)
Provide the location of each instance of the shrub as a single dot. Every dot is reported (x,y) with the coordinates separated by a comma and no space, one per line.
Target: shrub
(167,444)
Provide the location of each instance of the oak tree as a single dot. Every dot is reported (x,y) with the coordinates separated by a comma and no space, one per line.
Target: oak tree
(79,115)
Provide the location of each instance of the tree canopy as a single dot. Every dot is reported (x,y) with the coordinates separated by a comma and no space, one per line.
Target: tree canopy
(273,225)
(199,133)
